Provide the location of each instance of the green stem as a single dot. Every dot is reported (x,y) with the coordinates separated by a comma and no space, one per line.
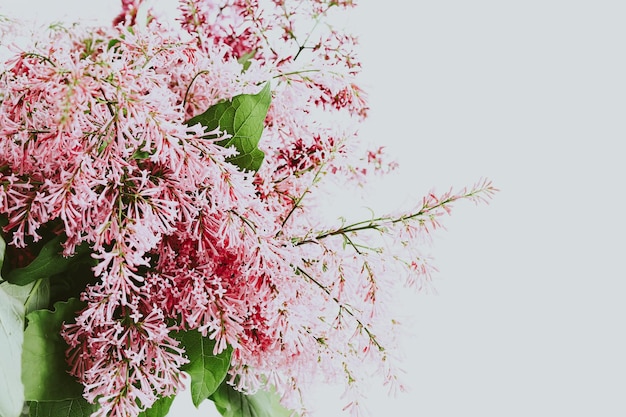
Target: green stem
(343,307)
(299,199)
(191,83)
(295,73)
(33,290)
(41,57)
(378,223)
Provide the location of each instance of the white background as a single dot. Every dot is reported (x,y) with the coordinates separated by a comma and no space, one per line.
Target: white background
(530,315)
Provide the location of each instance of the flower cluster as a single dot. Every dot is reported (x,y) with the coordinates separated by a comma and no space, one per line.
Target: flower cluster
(96,146)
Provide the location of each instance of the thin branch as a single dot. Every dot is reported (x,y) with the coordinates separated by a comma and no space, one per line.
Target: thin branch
(299,199)
(343,307)
(425,210)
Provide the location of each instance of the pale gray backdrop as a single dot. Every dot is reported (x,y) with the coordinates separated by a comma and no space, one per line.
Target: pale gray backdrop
(529,320)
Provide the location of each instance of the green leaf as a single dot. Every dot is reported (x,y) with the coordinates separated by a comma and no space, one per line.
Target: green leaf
(50,261)
(39,296)
(207,371)
(78,407)
(112,43)
(11,342)
(243,117)
(252,159)
(3,244)
(232,403)
(160,408)
(44,370)
(244,59)
(140,155)
(71,283)
(34,296)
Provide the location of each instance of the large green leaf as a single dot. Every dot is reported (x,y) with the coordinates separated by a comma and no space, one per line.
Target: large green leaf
(11,340)
(49,261)
(243,117)
(3,244)
(160,408)
(15,302)
(232,403)
(12,313)
(207,371)
(78,407)
(39,296)
(72,282)
(33,296)
(44,369)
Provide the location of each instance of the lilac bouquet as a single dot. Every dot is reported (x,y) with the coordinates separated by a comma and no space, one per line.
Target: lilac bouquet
(160,213)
